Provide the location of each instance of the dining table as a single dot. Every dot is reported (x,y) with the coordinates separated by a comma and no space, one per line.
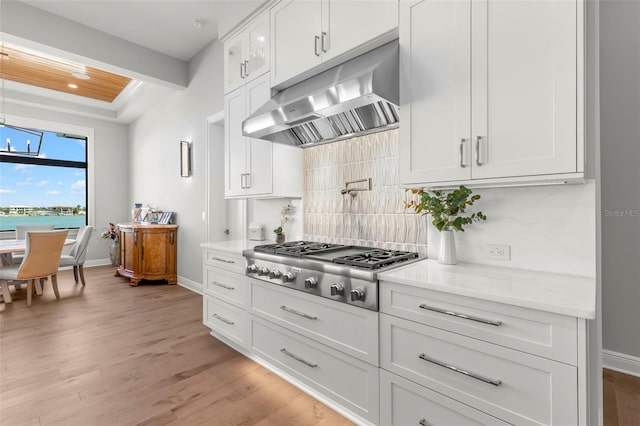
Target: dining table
(8,247)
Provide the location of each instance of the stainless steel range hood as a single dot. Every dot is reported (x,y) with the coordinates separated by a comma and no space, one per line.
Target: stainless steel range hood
(357,97)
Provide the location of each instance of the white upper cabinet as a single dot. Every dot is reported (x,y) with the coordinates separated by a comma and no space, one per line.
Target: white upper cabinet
(490,91)
(307,33)
(246,56)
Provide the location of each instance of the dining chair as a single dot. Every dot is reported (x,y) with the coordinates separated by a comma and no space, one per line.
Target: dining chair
(21,231)
(41,259)
(78,253)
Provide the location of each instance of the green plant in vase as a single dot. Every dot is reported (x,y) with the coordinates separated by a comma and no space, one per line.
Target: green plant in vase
(448,211)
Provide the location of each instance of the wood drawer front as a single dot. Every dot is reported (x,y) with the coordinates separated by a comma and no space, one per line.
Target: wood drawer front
(228,286)
(225,260)
(350,382)
(403,402)
(226,320)
(344,327)
(540,333)
(532,390)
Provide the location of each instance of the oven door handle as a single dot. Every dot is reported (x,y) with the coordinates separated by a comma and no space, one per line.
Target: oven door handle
(302,314)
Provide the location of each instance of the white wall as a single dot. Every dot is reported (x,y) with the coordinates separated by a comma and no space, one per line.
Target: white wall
(109,168)
(154,156)
(620,169)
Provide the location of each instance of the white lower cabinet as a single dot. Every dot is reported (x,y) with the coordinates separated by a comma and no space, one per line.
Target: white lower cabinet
(350,382)
(403,402)
(225,297)
(514,386)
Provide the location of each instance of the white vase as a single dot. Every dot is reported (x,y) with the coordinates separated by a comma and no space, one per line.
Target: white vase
(447,248)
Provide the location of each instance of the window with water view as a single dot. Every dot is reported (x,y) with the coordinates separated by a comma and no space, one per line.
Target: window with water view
(42,183)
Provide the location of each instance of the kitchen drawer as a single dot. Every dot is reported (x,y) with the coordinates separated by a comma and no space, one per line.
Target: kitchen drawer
(228,286)
(541,333)
(404,403)
(348,381)
(226,320)
(225,260)
(344,327)
(511,385)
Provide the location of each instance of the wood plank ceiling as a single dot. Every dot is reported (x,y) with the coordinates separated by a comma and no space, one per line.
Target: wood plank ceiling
(56,74)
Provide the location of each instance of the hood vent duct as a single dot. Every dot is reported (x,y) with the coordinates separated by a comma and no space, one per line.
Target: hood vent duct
(357,97)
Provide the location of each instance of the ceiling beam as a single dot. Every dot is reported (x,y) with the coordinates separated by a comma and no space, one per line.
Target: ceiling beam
(34,28)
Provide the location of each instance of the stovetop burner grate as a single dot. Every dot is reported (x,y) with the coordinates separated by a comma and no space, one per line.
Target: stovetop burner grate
(376,258)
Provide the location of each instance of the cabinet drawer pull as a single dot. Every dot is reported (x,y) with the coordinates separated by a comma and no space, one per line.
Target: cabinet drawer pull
(293,311)
(494,382)
(297,358)
(246,67)
(462,141)
(423,422)
(463,316)
(316,39)
(223,319)
(324,42)
(478,139)
(219,259)
(228,287)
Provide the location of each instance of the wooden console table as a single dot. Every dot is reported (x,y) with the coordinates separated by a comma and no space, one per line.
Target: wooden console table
(148,252)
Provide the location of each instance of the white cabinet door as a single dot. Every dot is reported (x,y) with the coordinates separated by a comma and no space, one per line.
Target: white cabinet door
(235,145)
(524,87)
(435,91)
(257,39)
(259,160)
(295,38)
(489,89)
(233,63)
(349,24)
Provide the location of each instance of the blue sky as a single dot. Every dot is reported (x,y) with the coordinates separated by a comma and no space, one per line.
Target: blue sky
(43,186)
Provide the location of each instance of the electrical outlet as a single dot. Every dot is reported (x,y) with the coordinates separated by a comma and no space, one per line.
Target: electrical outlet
(498,252)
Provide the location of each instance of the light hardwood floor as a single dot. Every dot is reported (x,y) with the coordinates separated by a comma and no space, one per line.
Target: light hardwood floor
(111,354)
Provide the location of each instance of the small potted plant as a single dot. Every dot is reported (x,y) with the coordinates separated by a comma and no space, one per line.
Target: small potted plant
(285,216)
(448,211)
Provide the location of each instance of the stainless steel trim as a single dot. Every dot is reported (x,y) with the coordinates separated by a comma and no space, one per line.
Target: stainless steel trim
(462,141)
(223,319)
(219,259)
(315,45)
(297,358)
(494,382)
(464,316)
(302,314)
(478,139)
(228,287)
(323,44)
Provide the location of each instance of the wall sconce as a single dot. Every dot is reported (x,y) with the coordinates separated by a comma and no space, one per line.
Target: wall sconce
(185,159)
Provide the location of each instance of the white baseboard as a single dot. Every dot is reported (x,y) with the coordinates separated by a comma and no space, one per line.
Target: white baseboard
(189,284)
(623,363)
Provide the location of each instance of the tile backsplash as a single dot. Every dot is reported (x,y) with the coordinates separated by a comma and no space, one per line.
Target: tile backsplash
(375,218)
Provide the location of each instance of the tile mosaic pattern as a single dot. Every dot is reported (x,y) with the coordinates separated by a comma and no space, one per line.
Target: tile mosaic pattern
(374,218)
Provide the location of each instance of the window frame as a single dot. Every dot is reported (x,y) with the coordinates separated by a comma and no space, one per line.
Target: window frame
(50,126)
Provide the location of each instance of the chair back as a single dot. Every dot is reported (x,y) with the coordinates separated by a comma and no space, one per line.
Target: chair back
(42,254)
(22,230)
(79,250)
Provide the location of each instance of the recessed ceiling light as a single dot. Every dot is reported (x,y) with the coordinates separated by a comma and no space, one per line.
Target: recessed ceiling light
(73,86)
(80,75)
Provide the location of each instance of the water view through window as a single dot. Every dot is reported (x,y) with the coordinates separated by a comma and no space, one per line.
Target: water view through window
(49,188)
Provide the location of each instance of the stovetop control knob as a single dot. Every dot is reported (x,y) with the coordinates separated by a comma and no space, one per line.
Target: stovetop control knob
(288,277)
(310,283)
(274,273)
(252,269)
(263,271)
(337,289)
(357,294)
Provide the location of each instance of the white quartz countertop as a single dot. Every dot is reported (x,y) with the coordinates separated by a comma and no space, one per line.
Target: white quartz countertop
(562,294)
(233,246)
